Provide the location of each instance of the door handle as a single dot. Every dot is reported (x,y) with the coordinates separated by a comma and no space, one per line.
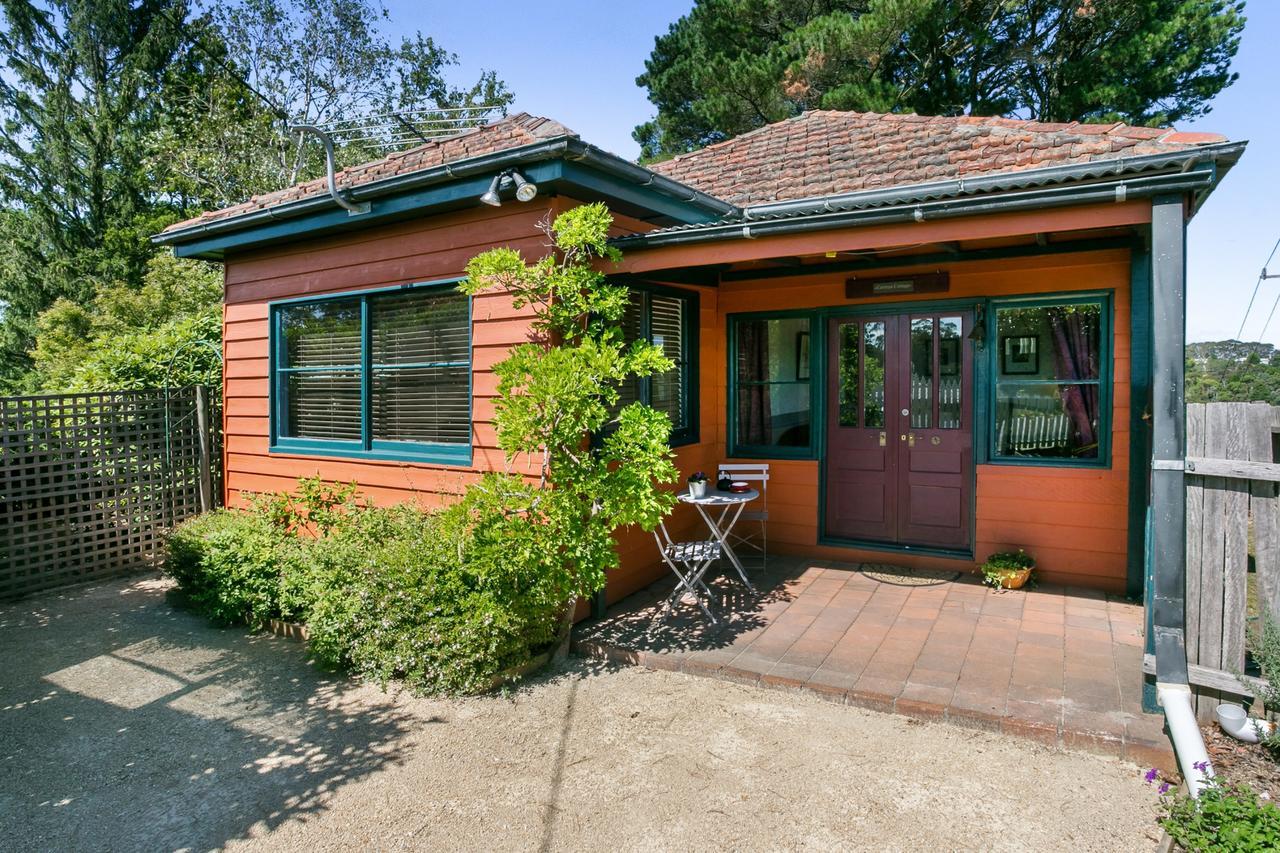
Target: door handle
(884,438)
(911,439)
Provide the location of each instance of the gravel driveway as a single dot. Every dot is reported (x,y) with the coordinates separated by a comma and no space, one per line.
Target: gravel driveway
(125,724)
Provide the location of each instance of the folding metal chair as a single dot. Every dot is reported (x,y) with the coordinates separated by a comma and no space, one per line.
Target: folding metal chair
(689,562)
(757,474)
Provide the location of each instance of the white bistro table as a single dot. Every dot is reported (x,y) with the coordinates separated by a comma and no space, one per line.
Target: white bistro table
(730,505)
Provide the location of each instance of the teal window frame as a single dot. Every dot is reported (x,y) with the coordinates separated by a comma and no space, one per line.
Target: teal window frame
(690,319)
(817,338)
(438,453)
(1106,371)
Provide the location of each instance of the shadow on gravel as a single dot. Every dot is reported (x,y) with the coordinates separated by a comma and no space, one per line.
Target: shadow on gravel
(125,724)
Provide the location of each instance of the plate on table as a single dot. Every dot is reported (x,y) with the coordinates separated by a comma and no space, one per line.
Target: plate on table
(739,486)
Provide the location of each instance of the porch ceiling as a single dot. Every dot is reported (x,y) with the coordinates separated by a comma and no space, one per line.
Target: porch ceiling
(930,254)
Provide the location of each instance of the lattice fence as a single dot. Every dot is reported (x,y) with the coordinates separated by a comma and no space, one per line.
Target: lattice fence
(90,483)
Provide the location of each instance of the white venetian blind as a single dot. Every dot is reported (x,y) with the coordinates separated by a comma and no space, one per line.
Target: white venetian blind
(321,370)
(421,368)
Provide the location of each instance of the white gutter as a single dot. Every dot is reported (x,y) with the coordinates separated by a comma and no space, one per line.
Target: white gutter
(1184,731)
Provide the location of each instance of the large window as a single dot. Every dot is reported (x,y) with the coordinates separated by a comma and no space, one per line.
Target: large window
(669,319)
(385,374)
(771,406)
(1051,367)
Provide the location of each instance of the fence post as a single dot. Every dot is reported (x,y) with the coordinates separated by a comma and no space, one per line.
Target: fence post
(205,440)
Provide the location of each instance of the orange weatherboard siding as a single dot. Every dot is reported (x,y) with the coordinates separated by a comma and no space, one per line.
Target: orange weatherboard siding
(415,251)
(1073,520)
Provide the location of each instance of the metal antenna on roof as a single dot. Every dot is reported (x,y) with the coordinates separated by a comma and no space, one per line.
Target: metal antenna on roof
(393,130)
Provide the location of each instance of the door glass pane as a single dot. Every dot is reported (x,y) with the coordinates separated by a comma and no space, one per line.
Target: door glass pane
(950,370)
(922,373)
(873,353)
(848,366)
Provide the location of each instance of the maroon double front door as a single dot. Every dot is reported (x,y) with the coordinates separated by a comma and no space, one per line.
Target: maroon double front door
(899,458)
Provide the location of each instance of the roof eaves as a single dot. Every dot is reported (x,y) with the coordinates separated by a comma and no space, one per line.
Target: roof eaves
(841,206)
(567,146)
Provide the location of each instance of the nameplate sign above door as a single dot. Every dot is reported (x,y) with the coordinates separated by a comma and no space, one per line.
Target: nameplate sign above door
(933,282)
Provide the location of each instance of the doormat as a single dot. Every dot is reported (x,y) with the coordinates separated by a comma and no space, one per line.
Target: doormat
(902,576)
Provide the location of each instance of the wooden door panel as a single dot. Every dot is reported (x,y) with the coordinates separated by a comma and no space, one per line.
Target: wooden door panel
(931,462)
(861,462)
(937,467)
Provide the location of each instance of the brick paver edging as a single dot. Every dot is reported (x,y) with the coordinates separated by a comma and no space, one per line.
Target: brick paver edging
(1139,751)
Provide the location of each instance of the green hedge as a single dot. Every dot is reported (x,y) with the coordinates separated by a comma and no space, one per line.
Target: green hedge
(440,600)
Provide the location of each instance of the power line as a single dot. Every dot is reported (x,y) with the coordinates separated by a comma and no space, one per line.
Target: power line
(1262,275)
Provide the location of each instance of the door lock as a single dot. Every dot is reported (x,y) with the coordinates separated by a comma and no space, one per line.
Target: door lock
(906,413)
(911,439)
(884,439)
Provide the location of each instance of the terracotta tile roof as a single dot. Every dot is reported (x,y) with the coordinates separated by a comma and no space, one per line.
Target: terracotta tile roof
(505,133)
(826,152)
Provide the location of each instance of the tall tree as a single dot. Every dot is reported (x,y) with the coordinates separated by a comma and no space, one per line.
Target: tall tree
(80,83)
(120,116)
(313,62)
(733,65)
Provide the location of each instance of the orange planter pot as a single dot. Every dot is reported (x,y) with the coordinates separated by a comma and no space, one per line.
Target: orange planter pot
(1015,579)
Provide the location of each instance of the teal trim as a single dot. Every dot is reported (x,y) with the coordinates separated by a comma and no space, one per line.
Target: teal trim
(389,451)
(1140,378)
(368,447)
(1104,380)
(595,182)
(893,547)
(816,363)
(383,210)
(974,309)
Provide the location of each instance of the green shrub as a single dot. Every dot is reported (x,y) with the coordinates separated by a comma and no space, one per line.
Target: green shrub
(435,605)
(228,565)
(1224,818)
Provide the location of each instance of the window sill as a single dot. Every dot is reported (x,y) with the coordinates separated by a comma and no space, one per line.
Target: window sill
(771,453)
(430,454)
(1032,462)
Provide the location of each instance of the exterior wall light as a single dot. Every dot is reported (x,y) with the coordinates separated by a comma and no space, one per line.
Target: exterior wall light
(526,190)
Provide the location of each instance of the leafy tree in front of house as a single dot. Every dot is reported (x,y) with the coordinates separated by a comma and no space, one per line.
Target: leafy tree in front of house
(733,65)
(594,470)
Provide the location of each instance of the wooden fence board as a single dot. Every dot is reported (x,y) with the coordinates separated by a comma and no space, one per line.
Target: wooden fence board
(90,483)
(1232,478)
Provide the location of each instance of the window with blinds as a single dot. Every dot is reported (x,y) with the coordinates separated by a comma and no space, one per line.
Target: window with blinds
(667,319)
(384,374)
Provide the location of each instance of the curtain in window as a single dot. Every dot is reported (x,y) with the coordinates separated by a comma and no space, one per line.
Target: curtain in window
(1076,358)
(755,425)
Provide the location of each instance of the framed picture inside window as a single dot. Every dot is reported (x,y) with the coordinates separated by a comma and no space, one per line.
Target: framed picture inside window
(1020,355)
(802,356)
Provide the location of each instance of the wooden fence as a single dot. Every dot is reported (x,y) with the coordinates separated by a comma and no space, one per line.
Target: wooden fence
(1233,515)
(90,483)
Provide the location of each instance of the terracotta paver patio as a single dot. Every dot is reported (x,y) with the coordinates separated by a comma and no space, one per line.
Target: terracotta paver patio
(1062,666)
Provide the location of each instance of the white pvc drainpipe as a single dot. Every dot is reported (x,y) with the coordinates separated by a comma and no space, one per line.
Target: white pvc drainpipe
(1185,732)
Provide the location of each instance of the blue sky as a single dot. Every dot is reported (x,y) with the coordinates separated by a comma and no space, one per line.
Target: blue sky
(577,61)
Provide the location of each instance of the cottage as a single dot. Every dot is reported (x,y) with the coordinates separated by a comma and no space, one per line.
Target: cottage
(947,336)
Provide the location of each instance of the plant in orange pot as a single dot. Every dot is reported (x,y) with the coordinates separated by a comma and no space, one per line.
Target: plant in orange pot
(1008,569)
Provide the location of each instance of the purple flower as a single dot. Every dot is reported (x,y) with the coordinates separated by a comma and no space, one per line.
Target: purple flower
(1202,766)
(1151,775)
(1164,787)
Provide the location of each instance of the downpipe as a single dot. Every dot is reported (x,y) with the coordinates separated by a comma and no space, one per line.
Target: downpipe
(1236,722)
(1184,731)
